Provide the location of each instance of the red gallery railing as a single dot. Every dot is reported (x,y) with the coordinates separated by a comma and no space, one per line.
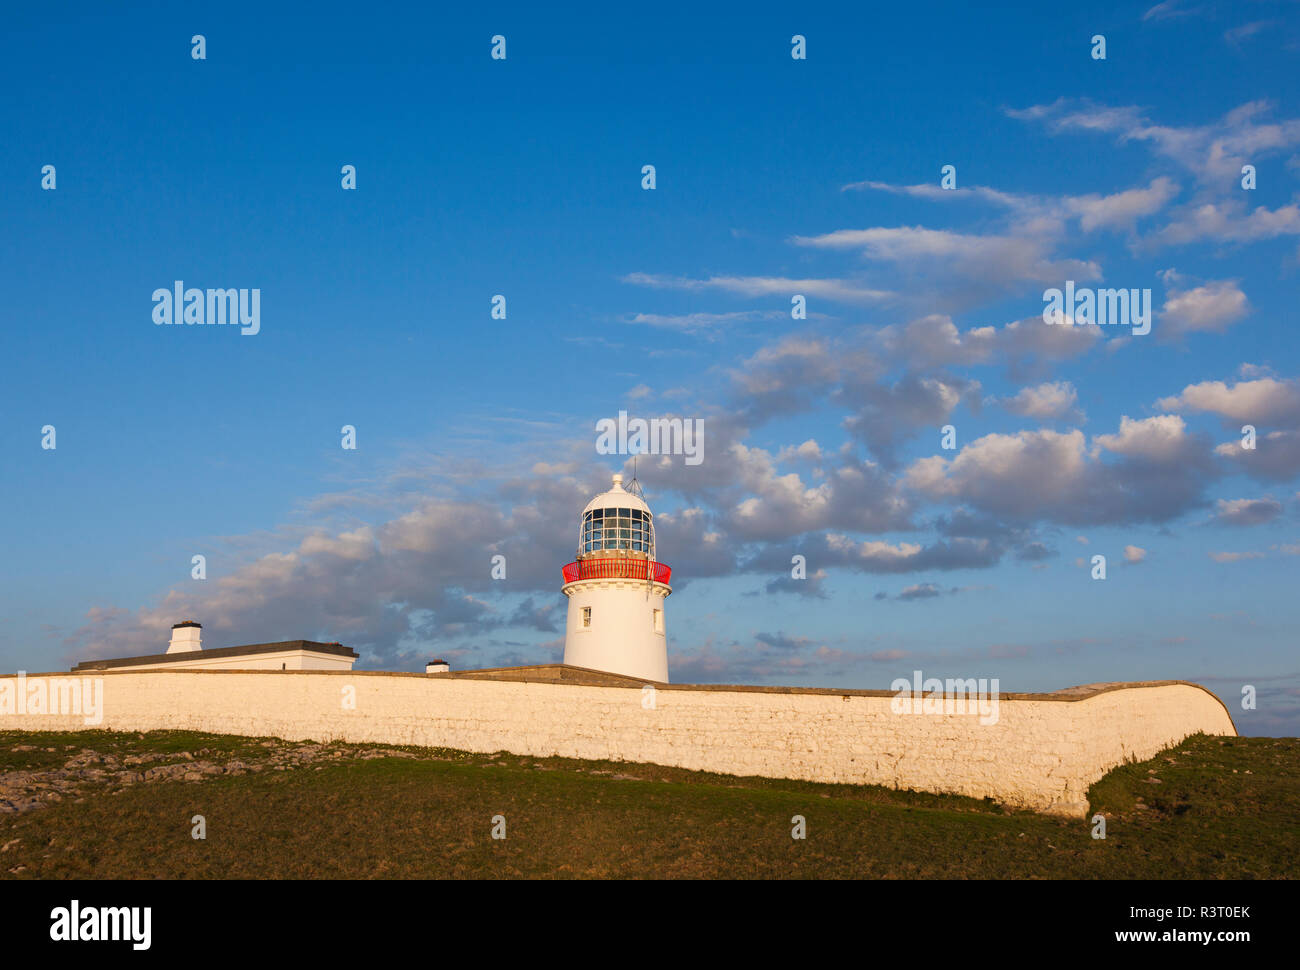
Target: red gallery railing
(617,569)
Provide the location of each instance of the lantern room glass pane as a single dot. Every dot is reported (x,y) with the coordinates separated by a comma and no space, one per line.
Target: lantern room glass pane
(617,530)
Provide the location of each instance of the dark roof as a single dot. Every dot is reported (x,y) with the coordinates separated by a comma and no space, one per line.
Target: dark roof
(249,650)
(177,626)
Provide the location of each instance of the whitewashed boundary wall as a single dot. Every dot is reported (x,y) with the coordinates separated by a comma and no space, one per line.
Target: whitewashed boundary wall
(1042,753)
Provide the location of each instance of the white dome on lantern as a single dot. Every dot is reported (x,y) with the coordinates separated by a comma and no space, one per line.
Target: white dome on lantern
(616,497)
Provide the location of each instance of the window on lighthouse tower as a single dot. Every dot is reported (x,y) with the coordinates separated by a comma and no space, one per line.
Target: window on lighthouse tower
(586,616)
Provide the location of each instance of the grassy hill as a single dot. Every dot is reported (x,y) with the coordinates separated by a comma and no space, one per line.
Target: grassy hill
(96,804)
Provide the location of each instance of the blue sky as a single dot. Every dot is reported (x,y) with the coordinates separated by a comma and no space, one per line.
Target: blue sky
(775,176)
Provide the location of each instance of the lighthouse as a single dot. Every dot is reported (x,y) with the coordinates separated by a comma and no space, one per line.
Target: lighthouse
(616,589)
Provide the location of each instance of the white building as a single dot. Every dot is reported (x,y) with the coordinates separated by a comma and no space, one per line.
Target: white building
(185,652)
(616,590)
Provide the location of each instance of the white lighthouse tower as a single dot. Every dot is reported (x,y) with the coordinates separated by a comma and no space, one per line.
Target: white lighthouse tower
(617,588)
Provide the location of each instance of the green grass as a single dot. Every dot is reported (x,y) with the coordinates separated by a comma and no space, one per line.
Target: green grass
(1226,808)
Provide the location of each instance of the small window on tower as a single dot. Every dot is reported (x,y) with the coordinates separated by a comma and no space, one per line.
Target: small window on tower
(586,615)
(659,621)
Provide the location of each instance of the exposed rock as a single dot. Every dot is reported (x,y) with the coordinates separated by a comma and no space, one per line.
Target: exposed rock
(86,771)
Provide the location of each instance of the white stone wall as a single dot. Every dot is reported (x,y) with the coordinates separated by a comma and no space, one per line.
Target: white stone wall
(1040,754)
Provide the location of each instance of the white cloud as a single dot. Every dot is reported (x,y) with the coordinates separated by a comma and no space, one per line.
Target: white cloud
(1247,511)
(1171,10)
(1275,457)
(1214,152)
(840,290)
(1263,401)
(1049,401)
(936,193)
(356,545)
(693,322)
(1122,209)
(1162,438)
(935,341)
(991,258)
(1160,473)
(1227,557)
(808,451)
(1229,221)
(1038,216)
(1027,470)
(1235,35)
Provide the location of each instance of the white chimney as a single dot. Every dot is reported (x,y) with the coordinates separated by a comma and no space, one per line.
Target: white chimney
(437,667)
(185,637)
